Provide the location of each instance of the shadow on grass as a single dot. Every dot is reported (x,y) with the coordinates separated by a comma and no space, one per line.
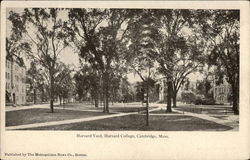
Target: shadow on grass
(38,115)
(163,111)
(199,110)
(137,123)
(112,108)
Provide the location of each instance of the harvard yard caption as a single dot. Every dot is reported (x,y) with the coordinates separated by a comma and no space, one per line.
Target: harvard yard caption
(152,136)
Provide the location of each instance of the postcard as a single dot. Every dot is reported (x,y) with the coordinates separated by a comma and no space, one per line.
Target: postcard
(124,80)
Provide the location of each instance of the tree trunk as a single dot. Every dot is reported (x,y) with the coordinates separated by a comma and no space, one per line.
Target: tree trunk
(107,95)
(96,99)
(51,92)
(174,99)
(96,102)
(169,96)
(60,99)
(103,94)
(34,96)
(235,106)
(147,105)
(51,105)
(106,92)
(235,92)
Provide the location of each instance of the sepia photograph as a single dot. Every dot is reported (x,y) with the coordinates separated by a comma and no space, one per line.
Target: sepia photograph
(122,69)
(121,80)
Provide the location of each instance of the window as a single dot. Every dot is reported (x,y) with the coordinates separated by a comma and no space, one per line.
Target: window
(16,67)
(7,64)
(16,78)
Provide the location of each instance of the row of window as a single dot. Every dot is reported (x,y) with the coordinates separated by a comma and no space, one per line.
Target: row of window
(221,99)
(16,67)
(8,86)
(221,90)
(16,77)
(7,64)
(7,75)
(18,98)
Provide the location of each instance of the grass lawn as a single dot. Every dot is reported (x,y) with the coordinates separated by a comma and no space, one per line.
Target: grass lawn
(112,108)
(37,115)
(81,106)
(205,110)
(163,111)
(137,123)
(129,109)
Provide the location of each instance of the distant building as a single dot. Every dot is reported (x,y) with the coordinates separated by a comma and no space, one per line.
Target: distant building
(221,92)
(15,76)
(162,89)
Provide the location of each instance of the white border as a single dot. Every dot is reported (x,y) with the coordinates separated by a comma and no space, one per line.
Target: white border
(179,145)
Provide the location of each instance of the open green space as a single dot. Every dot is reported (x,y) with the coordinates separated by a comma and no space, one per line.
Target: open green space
(38,115)
(205,109)
(117,107)
(163,111)
(137,123)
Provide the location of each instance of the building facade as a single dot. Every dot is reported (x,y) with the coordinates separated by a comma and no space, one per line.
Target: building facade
(15,87)
(221,92)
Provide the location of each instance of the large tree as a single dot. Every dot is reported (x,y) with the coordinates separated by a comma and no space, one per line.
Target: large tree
(98,35)
(141,54)
(188,58)
(174,54)
(36,80)
(87,82)
(222,32)
(43,37)
(63,82)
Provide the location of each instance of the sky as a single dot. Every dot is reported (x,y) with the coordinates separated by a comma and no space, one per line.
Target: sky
(68,56)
